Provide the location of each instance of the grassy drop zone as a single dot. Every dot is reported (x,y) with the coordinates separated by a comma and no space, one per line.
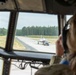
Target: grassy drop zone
(19,46)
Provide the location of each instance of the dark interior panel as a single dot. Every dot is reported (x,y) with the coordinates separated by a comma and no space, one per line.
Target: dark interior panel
(61,6)
(44,6)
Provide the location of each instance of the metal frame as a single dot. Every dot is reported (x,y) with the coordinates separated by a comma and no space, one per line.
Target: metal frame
(9,41)
(11,31)
(61,22)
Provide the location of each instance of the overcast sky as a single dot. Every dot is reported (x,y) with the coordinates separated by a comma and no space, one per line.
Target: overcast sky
(33,19)
(29,19)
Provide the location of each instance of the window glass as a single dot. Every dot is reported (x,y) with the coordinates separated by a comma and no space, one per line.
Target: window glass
(36,32)
(68,17)
(1,65)
(4,20)
(24,67)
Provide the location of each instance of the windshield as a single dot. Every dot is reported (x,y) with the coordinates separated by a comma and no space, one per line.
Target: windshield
(36,32)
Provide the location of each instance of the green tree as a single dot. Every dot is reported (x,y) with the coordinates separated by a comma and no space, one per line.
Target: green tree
(24,31)
(3,31)
(18,32)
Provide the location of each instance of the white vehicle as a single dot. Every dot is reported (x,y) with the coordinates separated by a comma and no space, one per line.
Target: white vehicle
(43,41)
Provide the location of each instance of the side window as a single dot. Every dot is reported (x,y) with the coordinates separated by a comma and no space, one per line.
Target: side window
(4,20)
(36,32)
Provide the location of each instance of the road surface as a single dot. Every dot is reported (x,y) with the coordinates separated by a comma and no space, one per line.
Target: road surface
(34,46)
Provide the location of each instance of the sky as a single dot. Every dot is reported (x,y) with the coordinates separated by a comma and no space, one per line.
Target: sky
(29,19)
(37,19)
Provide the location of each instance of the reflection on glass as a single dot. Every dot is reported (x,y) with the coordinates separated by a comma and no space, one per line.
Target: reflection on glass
(36,32)
(26,69)
(4,20)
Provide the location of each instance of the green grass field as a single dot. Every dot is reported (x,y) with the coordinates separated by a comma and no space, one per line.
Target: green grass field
(19,46)
(2,41)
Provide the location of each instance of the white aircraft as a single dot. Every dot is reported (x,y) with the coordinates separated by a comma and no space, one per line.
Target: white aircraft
(43,41)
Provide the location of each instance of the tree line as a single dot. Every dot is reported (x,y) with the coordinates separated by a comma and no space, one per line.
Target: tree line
(3,31)
(37,30)
(33,30)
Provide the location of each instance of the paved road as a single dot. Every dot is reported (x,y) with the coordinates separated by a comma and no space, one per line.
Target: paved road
(32,45)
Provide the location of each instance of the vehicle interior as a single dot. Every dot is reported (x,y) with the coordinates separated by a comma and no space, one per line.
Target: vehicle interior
(22,24)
